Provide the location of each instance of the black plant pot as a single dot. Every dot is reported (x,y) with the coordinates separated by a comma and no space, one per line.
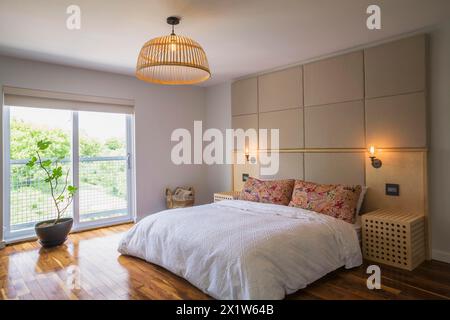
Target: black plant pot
(51,235)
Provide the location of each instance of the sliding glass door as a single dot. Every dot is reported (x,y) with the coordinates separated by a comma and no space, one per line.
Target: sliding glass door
(104,166)
(95,146)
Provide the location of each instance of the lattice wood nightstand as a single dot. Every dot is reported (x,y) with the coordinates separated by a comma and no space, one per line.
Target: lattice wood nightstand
(232,195)
(394,237)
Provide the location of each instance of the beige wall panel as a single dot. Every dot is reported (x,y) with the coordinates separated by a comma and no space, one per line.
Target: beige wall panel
(335,168)
(397,121)
(290,167)
(281,90)
(290,124)
(395,68)
(334,80)
(408,169)
(246,122)
(244,97)
(338,125)
(240,169)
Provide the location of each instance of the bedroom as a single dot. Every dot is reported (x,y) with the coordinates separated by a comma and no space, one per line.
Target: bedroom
(300,133)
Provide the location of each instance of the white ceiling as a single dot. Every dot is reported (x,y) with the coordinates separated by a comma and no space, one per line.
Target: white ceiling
(240,37)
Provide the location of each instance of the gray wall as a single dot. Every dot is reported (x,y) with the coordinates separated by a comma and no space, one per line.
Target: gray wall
(158,110)
(218,115)
(439,127)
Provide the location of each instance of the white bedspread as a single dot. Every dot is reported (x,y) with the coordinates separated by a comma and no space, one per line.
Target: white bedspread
(244,250)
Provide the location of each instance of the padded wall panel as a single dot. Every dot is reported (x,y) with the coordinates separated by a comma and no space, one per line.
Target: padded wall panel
(280,90)
(290,124)
(408,169)
(239,169)
(396,121)
(244,97)
(335,168)
(396,67)
(338,125)
(246,122)
(337,79)
(290,167)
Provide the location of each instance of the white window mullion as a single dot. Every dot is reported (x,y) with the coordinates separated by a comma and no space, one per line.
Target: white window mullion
(75,168)
(130,176)
(6,173)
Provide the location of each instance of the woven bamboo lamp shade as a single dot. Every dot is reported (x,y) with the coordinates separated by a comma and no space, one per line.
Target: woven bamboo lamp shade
(172,60)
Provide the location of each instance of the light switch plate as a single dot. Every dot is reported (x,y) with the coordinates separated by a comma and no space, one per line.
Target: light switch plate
(392,189)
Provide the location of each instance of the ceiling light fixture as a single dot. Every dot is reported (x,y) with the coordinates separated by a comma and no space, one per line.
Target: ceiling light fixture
(172,59)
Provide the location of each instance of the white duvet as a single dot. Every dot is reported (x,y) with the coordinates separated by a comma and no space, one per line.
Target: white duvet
(244,250)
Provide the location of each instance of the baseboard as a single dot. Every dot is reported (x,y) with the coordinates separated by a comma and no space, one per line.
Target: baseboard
(441,255)
(2,244)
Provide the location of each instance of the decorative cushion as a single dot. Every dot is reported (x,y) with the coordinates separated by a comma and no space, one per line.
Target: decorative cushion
(267,191)
(338,201)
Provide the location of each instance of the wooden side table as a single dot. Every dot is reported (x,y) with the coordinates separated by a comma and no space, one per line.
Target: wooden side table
(232,195)
(394,237)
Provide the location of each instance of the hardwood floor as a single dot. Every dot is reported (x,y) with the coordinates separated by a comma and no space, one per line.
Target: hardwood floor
(29,272)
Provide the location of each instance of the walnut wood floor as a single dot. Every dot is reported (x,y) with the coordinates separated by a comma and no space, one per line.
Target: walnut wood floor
(29,272)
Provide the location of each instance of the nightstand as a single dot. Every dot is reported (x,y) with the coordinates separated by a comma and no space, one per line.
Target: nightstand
(394,237)
(232,195)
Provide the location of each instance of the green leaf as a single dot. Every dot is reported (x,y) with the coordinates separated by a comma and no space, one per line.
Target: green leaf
(47,163)
(32,162)
(43,144)
(72,190)
(57,173)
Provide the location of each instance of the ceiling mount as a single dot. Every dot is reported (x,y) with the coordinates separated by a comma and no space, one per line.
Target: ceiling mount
(173,21)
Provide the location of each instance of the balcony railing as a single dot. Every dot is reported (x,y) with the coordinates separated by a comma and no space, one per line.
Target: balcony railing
(102,191)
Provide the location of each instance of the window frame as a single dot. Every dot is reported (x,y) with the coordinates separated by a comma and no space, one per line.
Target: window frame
(29,234)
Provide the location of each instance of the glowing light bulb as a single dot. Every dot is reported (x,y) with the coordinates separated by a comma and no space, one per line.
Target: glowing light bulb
(247,155)
(173,47)
(372,150)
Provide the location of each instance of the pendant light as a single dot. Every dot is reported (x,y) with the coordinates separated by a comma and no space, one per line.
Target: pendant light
(172,59)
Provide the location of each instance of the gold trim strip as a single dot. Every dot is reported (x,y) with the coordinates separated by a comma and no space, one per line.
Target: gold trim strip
(339,150)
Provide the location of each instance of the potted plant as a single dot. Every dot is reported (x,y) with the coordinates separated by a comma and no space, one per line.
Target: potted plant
(53,232)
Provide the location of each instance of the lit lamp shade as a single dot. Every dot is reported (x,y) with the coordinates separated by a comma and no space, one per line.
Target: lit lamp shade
(172,59)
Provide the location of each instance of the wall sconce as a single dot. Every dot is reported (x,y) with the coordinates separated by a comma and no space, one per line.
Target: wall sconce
(247,154)
(248,158)
(376,163)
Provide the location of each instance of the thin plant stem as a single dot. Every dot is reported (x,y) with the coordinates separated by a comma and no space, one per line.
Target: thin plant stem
(57,202)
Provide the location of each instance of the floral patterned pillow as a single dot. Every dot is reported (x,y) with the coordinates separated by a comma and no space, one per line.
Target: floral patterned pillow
(267,191)
(338,201)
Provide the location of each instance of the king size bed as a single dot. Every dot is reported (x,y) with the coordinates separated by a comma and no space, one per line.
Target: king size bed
(237,249)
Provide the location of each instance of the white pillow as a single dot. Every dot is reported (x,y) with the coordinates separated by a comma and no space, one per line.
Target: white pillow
(360,199)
